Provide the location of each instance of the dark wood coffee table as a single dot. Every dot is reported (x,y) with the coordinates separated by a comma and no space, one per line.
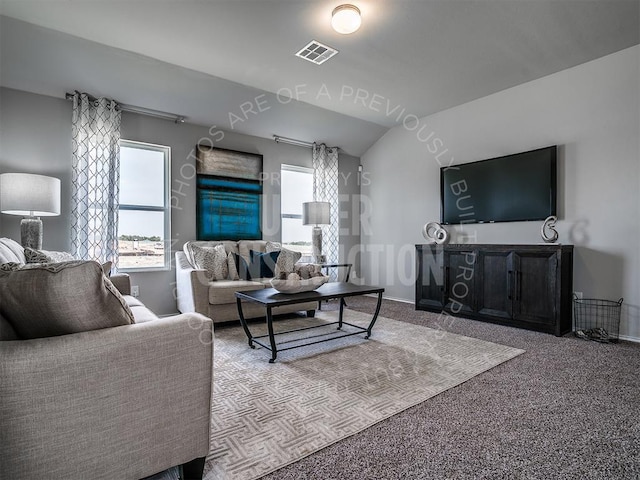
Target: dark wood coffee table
(271,298)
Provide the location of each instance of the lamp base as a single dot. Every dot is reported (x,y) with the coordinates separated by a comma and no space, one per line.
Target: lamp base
(31,233)
(316,242)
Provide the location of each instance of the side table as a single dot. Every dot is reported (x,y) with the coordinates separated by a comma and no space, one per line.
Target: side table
(348,266)
(327,266)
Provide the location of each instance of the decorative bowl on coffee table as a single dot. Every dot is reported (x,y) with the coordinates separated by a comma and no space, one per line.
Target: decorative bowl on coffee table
(297,286)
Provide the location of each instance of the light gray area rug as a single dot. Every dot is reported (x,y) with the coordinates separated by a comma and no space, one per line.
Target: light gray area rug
(266,416)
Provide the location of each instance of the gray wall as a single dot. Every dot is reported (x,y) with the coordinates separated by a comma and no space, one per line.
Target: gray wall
(591,111)
(35,136)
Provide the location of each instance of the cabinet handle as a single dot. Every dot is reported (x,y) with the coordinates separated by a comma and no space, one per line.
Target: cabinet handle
(509,285)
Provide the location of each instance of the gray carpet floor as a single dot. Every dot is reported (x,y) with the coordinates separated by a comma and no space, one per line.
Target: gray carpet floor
(566,409)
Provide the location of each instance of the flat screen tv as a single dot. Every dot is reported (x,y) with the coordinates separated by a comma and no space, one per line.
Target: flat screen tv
(513,188)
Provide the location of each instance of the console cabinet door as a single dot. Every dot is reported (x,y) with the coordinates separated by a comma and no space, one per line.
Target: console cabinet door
(535,277)
(430,281)
(460,272)
(495,284)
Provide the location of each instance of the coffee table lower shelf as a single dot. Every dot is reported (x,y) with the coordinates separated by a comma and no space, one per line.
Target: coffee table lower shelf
(271,298)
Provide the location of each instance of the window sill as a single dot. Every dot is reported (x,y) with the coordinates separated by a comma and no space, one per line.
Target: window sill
(144,269)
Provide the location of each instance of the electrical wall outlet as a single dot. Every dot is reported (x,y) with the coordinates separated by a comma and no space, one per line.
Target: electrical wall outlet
(135,291)
(578,294)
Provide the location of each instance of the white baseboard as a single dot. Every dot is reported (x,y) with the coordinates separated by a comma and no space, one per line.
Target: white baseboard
(395,299)
(629,339)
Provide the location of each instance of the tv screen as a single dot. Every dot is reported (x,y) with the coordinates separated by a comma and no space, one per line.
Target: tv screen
(514,188)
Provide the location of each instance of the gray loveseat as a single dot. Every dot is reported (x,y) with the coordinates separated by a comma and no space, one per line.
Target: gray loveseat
(116,403)
(216,299)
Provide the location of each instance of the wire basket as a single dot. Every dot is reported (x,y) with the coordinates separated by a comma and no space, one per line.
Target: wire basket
(596,319)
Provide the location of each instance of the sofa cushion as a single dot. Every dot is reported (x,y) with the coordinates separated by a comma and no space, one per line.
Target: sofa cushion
(213,260)
(142,314)
(11,251)
(6,330)
(262,264)
(286,260)
(224,291)
(229,247)
(45,256)
(60,298)
(132,301)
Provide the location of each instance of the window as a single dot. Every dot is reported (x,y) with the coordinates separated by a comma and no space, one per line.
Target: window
(296,187)
(144,216)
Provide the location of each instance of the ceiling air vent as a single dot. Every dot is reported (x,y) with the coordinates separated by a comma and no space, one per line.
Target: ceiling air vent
(316,52)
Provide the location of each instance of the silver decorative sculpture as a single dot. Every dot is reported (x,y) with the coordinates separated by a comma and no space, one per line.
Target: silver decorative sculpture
(548,231)
(436,232)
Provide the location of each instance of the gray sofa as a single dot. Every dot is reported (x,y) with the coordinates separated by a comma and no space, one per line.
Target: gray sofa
(216,299)
(116,403)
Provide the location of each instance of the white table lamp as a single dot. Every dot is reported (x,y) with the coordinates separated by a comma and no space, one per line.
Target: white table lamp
(32,196)
(316,213)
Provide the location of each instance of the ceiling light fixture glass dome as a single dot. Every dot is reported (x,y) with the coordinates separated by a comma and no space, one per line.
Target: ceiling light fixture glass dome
(346,19)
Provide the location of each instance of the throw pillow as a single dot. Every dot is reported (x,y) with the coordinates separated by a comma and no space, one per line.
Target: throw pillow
(45,256)
(106,268)
(286,260)
(262,264)
(213,260)
(233,268)
(59,299)
(273,246)
(11,251)
(242,267)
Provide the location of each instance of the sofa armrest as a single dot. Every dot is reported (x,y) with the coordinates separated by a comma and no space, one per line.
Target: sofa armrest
(121,402)
(122,282)
(192,287)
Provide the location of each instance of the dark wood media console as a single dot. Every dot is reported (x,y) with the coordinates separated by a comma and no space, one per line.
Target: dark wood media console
(525,286)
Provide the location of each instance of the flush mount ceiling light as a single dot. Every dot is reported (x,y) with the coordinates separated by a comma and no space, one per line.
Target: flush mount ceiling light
(346,19)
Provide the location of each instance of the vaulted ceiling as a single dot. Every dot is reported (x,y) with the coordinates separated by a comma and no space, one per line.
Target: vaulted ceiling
(232,64)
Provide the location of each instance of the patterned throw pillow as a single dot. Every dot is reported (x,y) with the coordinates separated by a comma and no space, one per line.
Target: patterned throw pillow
(213,260)
(45,300)
(45,256)
(286,260)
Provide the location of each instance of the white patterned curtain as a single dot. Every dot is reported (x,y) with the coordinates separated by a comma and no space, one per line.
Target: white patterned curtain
(325,189)
(95,178)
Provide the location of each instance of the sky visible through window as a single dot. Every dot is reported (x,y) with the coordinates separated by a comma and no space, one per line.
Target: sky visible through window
(141,233)
(296,188)
(141,183)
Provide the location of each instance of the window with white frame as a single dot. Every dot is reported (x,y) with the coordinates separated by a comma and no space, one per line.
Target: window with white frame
(296,187)
(144,213)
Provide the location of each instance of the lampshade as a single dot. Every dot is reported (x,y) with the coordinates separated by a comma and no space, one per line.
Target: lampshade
(316,213)
(346,19)
(29,195)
